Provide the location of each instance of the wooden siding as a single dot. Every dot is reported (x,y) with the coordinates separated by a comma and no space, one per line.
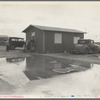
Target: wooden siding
(44,40)
(38,38)
(67,41)
(66,45)
(50,46)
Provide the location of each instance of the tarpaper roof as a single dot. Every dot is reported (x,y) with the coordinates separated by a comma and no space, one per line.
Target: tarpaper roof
(47,28)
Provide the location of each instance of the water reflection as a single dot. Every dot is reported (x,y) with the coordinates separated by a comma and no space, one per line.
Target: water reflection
(38,67)
(13,60)
(11,70)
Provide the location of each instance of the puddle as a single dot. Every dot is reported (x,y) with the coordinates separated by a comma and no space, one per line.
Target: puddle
(11,70)
(96,56)
(15,60)
(99,57)
(39,67)
(39,74)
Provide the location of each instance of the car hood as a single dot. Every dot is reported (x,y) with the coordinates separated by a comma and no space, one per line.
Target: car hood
(78,46)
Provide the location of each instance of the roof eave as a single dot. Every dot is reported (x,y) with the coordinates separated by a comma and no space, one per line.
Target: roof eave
(64,31)
(25,30)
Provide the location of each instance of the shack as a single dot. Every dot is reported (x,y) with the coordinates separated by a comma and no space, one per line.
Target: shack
(52,39)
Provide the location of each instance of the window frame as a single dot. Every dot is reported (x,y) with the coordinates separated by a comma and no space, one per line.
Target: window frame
(57,38)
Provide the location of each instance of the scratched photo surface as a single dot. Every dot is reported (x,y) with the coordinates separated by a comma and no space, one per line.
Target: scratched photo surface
(49,49)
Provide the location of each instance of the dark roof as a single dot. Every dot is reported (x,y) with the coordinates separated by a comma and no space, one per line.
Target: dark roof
(47,28)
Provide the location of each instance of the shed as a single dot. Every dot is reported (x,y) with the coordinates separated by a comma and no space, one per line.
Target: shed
(52,39)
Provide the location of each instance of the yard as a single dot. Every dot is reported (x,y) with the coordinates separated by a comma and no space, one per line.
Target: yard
(36,75)
(92,58)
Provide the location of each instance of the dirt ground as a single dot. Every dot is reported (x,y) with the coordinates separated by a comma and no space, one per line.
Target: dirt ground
(21,78)
(91,58)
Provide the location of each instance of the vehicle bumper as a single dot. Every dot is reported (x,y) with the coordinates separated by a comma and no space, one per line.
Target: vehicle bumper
(77,51)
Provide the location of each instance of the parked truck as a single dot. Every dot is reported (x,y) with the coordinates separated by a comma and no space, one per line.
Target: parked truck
(11,42)
(86,46)
(15,42)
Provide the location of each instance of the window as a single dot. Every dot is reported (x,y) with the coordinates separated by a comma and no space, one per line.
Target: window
(83,42)
(13,39)
(33,36)
(92,42)
(58,38)
(20,39)
(33,33)
(76,40)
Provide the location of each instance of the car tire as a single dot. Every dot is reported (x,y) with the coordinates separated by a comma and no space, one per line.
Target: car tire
(97,50)
(12,47)
(86,51)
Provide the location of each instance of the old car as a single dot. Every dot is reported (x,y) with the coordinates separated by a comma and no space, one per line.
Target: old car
(16,42)
(86,46)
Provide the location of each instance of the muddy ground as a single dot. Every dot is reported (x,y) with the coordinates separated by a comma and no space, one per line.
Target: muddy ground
(49,75)
(91,58)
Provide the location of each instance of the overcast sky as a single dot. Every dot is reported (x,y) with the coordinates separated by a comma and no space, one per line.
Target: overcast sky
(84,16)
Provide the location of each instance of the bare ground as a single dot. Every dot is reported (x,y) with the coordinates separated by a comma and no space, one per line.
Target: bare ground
(16,82)
(14,53)
(92,58)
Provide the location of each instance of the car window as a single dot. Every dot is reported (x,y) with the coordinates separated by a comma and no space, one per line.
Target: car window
(13,39)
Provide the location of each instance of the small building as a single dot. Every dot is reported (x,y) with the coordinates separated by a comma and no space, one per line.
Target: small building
(52,39)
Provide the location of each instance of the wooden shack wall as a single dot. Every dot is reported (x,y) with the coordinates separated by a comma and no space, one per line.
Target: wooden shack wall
(44,40)
(66,45)
(38,38)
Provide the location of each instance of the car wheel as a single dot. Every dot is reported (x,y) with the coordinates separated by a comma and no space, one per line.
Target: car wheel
(12,47)
(86,51)
(97,50)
